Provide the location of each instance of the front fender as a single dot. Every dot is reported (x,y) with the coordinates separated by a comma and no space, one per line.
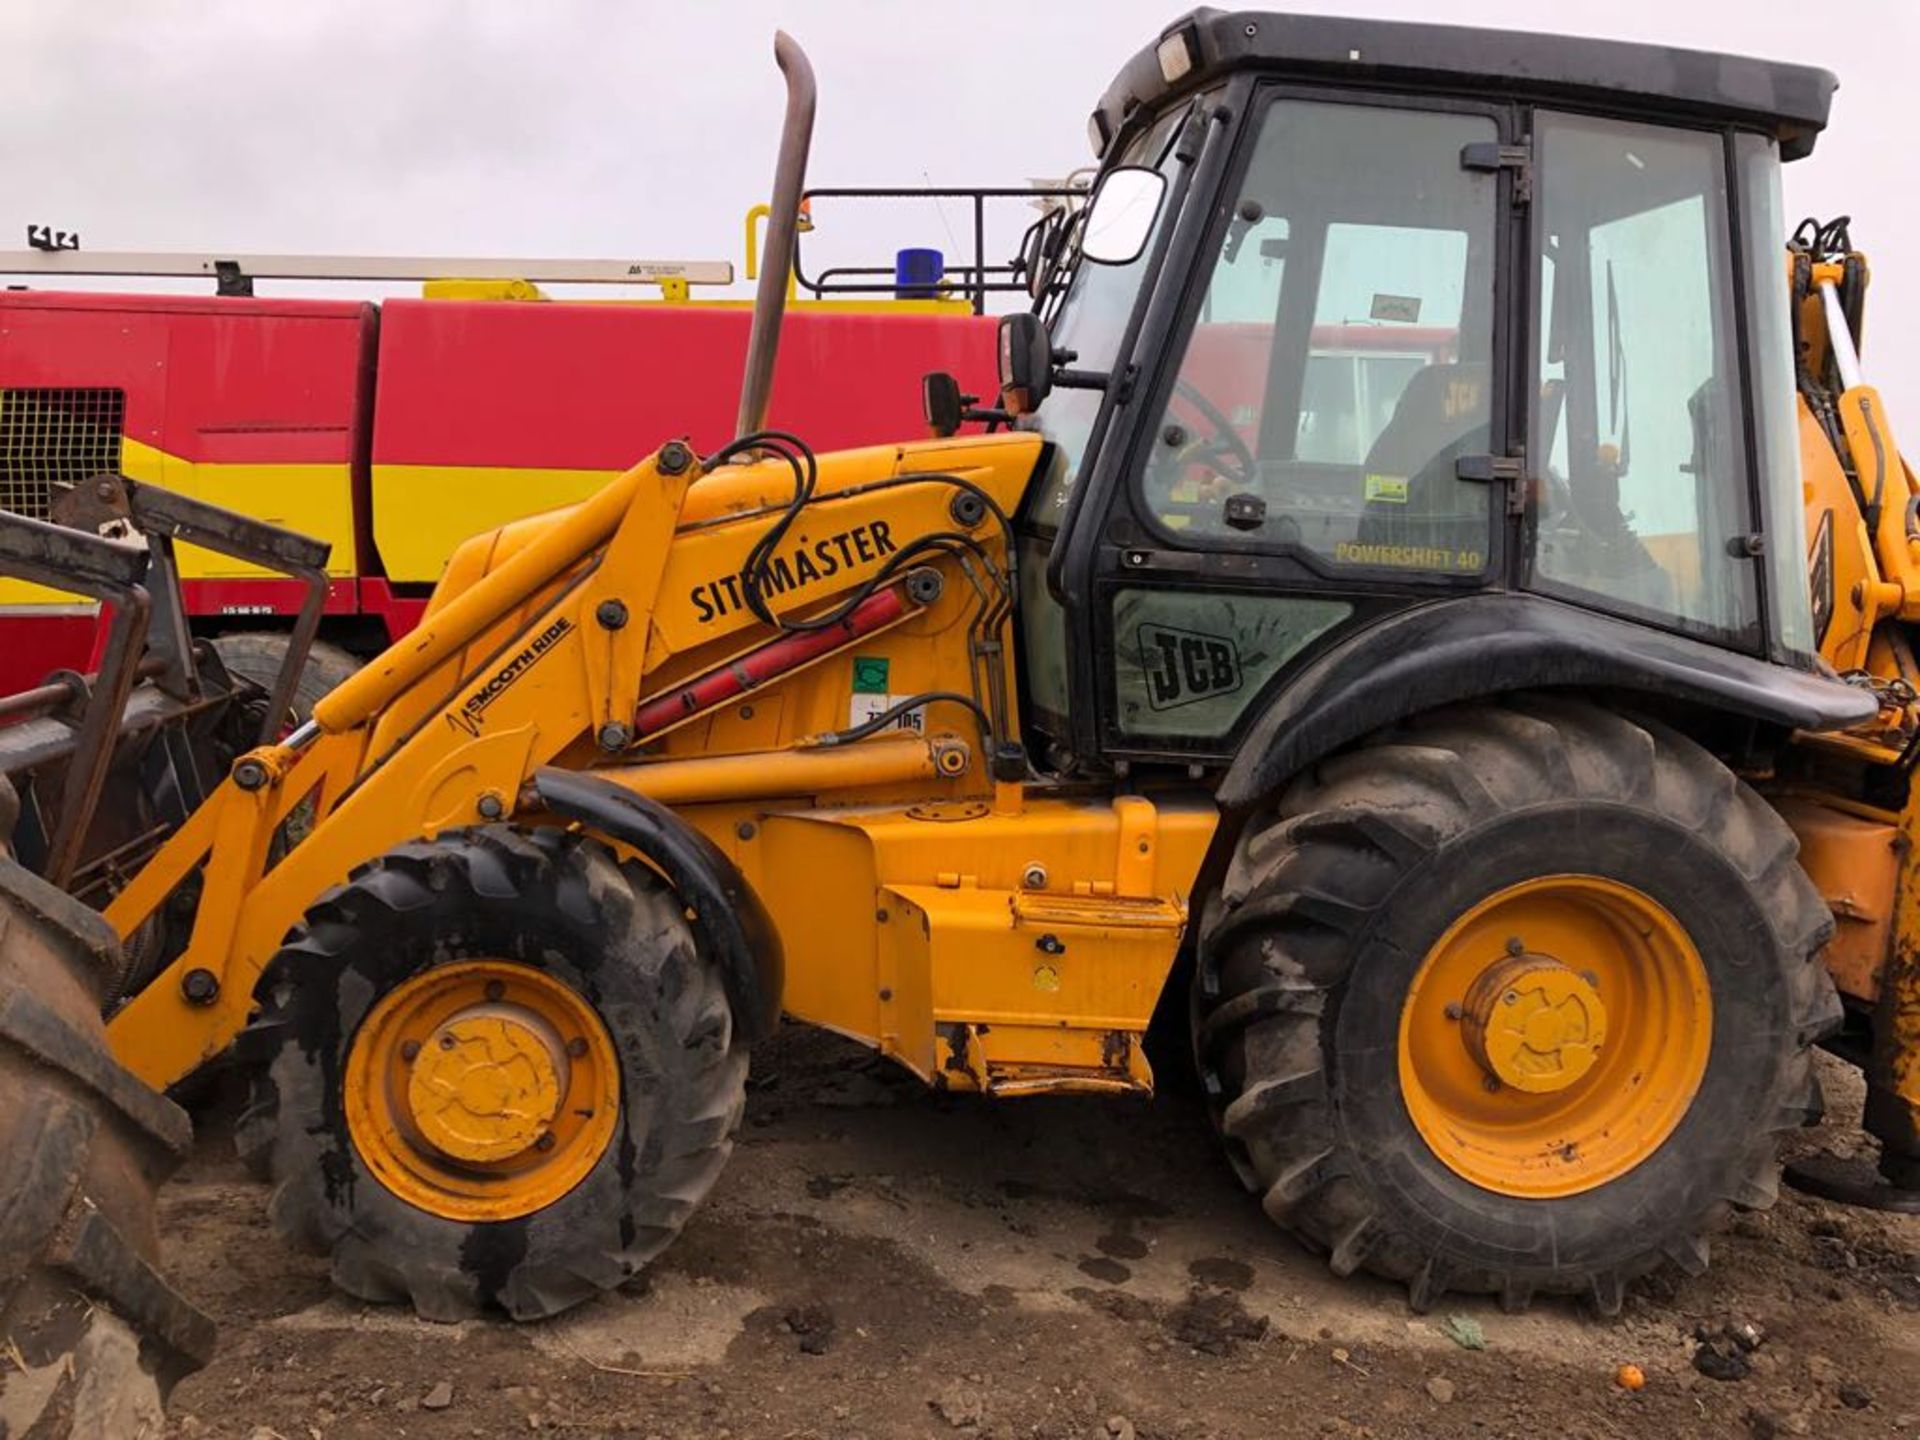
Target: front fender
(1454,650)
(728,918)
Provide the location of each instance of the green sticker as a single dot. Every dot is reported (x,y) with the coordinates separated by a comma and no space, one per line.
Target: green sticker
(869,674)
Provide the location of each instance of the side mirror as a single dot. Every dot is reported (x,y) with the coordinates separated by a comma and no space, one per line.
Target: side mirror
(1120,216)
(1045,241)
(1026,362)
(941,402)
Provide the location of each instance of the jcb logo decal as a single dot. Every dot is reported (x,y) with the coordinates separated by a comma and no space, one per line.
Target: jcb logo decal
(1183,666)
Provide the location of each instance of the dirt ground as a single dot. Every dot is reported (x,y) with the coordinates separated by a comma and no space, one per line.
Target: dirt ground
(879,1261)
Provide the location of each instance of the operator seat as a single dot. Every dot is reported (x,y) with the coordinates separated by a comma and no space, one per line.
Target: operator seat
(1414,501)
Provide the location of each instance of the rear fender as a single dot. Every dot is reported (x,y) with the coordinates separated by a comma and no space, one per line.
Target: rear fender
(1458,650)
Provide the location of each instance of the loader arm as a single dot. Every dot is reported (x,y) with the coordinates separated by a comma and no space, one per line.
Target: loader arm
(559,653)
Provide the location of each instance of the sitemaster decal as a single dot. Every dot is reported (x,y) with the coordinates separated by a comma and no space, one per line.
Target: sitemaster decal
(806,564)
(475,705)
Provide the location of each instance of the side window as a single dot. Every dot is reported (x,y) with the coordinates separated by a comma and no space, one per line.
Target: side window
(1188,663)
(1389,304)
(1339,365)
(1636,409)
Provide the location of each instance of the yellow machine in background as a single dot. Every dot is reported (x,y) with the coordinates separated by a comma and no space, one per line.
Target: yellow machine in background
(1847,796)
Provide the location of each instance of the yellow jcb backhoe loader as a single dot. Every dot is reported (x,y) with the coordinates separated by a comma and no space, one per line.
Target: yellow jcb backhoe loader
(1374,629)
(1849,794)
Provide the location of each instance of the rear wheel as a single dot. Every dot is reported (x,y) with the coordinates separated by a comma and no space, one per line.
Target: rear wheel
(496,1074)
(96,1337)
(1513,999)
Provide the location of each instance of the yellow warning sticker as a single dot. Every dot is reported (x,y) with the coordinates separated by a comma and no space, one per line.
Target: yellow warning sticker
(1388,489)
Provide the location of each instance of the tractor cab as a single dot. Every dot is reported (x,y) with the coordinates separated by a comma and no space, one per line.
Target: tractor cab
(1366,321)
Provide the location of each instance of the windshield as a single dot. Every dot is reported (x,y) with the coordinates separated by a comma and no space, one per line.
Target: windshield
(1090,319)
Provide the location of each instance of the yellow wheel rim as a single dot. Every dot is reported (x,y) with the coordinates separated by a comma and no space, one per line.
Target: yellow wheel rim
(481,1090)
(1555,1035)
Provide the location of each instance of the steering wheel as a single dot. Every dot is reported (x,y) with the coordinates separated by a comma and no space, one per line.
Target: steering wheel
(1223,445)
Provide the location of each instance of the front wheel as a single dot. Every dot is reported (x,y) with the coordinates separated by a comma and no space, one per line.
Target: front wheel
(495,1074)
(1513,999)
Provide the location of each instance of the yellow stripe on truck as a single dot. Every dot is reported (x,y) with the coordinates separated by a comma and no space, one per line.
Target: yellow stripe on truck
(315,500)
(421,512)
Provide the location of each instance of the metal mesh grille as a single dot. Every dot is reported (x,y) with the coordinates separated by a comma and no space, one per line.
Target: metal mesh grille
(50,439)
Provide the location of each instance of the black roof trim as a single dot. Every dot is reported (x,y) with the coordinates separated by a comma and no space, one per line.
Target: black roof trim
(1643,81)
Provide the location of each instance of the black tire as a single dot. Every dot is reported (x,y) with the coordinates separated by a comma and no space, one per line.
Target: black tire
(1337,892)
(547,900)
(84,1146)
(256,656)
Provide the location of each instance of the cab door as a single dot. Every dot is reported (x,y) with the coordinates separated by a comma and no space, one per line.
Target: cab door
(1321,438)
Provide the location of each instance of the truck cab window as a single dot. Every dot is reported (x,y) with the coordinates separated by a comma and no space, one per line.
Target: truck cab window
(1644,484)
(1339,364)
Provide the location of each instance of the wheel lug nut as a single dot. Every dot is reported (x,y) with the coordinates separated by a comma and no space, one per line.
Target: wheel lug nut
(1454,1012)
(545,1142)
(577,1046)
(1514,947)
(495,989)
(1491,1084)
(410,1050)
(446,1042)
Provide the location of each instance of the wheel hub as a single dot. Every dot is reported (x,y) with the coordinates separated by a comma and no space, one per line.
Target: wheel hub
(482,1089)
(1516,1074)
(487,1084)
(1533,1023)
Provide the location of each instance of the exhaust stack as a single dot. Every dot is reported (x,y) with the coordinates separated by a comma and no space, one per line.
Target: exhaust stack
(789,178)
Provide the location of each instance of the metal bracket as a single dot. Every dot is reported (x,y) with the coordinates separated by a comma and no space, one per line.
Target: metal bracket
(1244,512)
(231,280)
(1508,470)
(1489,155)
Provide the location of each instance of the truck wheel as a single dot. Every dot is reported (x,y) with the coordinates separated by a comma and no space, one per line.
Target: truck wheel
(497,1073)
(1513,999)
(97,1337)
(255,655)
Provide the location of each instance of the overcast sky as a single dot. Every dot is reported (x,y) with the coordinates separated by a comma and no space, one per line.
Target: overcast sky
(592,127)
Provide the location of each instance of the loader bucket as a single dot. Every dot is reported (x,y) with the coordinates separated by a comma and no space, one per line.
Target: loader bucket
(96,1335)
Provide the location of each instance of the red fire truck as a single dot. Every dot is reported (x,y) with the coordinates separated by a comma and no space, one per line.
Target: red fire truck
(395,430)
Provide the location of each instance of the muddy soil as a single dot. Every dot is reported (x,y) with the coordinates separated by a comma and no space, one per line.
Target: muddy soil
(879,1261)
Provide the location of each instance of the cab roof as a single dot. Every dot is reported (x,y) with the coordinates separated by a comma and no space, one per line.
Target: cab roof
(1789,102)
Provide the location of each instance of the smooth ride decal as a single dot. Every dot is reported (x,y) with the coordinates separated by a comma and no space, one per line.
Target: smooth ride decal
(467,717)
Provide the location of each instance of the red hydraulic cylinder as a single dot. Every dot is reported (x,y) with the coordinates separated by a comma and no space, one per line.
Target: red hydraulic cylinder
(767,663)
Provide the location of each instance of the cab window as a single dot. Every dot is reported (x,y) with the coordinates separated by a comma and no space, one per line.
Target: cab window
(1643,493)
(1339,364)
